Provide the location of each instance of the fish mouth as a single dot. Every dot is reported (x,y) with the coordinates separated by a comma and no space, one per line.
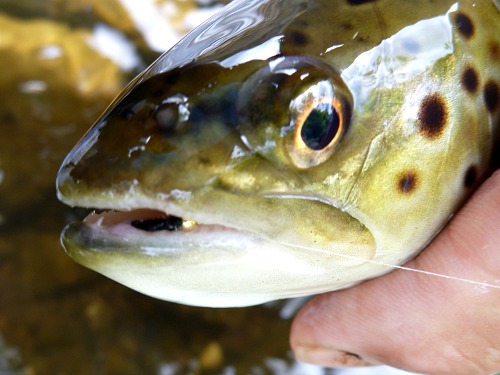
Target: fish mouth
(227,256)
(151,231)
(145,230)
(144,220)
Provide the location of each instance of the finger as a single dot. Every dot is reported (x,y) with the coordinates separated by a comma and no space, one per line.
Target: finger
(415,321)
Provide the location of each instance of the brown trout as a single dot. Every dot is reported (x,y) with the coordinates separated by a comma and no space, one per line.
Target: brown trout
(289,147)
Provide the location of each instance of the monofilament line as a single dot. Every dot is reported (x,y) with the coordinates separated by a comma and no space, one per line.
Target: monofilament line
(443,276)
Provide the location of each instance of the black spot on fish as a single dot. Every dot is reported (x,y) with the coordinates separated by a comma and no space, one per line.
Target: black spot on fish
(491,94)
(298,38)
(464,25)
(169,223)
(494,49)
(407,182)
(358,2)
(470,176)
(470,80)
(432,116)
(495,159)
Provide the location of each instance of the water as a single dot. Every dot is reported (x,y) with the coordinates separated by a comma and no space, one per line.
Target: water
(55,316)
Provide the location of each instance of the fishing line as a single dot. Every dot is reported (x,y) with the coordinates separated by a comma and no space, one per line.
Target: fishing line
(430,273)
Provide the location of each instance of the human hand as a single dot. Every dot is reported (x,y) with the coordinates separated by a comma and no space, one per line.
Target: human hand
(415,321)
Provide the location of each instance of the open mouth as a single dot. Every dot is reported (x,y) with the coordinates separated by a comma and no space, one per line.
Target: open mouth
(147,230)
(146,220)
(239,252)
(150,231)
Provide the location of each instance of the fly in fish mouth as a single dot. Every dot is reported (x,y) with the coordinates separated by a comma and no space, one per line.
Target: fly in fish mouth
(168,223)
(146,220)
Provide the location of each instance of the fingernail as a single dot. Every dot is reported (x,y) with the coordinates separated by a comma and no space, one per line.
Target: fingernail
(329,357)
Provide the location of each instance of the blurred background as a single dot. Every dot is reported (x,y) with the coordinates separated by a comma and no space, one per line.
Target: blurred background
(62,62)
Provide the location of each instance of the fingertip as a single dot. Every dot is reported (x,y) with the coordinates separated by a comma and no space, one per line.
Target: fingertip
(319,327)
(310,321)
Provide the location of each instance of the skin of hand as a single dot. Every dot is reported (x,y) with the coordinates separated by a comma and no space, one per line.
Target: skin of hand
(414,321)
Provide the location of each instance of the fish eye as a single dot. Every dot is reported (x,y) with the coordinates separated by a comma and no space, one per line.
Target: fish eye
(318,117)
(294,110)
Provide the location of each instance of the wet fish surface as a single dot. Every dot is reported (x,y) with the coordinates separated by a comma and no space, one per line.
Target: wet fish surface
(289,147)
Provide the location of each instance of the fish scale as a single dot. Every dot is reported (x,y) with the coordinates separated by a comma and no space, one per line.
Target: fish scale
(298,146)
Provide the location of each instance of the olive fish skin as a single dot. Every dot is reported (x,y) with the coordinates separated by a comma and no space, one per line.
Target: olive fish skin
(302,146)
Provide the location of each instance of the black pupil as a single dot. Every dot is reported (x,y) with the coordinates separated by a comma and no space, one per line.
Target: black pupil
(320,127)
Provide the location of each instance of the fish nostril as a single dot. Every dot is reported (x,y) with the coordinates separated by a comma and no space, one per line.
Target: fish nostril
(167,117)
(171,114)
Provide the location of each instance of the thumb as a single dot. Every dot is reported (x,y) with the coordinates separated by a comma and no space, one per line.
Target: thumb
(416,321)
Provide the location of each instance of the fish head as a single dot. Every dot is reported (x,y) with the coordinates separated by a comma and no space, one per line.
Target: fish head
(229,180)
(240,162)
